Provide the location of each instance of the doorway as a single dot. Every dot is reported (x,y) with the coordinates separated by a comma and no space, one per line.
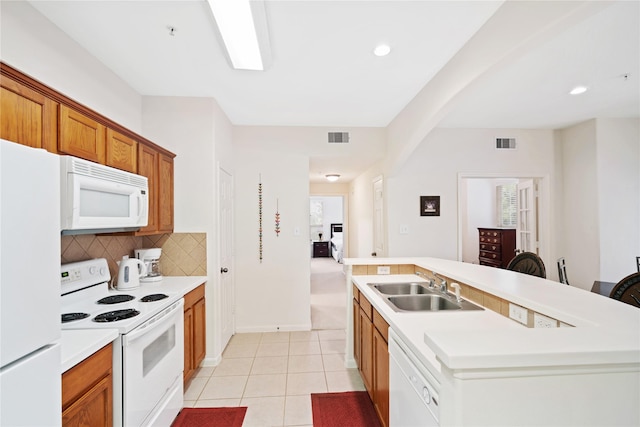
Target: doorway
(328,290)
(478,206)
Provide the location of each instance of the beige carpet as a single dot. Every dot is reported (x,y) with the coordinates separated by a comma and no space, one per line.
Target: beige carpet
(328,294)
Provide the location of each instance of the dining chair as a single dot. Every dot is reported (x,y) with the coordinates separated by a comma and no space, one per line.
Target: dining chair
(628,290)
(562,271)
(528,263)
(638,263)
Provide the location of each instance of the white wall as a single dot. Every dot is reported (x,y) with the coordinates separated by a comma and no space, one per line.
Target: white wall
(35,46)
(272,294)
(361,213)
(433,170)
(618,171)
(580,228)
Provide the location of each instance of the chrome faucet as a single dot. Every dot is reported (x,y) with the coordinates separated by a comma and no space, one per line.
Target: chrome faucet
(443,283)
(432,283)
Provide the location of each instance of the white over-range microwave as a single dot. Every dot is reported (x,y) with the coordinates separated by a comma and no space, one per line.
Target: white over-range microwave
(99,199)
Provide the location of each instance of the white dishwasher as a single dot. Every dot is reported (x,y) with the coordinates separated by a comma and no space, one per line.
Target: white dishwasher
(413,391)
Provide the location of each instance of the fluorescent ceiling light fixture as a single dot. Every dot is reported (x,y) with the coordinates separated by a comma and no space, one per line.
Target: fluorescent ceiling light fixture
(382,50)
(332,177)
(578,90)
(237,28)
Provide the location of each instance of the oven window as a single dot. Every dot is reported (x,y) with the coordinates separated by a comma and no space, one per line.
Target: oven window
(158,349)
(95,203)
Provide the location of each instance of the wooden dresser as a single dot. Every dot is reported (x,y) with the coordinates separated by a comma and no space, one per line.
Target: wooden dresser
(496,246)
(321,249)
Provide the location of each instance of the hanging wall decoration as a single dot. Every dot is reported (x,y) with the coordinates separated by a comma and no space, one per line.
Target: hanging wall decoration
(277,219)
(260,217)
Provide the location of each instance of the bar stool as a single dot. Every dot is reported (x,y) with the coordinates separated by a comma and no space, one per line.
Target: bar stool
(528,263)
(628,290)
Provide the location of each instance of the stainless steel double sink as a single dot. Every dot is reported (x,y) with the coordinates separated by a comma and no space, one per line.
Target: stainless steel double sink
(415,296)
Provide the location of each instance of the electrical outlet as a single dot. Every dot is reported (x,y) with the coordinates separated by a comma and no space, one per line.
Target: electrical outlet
(540,321)
(384,269)
(404,229)
(517,313)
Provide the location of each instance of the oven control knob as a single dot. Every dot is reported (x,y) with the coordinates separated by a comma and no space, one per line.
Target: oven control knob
(426,395)
(103,271)
(92,270)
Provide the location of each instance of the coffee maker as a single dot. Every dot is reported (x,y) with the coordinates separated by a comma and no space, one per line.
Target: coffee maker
(151,259)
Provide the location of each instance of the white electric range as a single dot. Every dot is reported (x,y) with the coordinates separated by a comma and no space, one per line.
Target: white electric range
(148,355)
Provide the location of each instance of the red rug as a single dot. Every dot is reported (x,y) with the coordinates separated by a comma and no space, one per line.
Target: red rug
(210,417)
(349,409)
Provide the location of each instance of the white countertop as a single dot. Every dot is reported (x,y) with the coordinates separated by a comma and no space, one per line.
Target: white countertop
(605,332)
(77,345)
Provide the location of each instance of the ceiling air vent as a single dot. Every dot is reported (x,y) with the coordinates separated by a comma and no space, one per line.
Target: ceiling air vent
(338,137)
(506,143)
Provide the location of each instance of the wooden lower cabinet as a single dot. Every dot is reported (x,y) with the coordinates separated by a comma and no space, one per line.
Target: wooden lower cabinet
(381,377)
(194,332)
(356,325)
(366,353)
(87,391)
(372,354)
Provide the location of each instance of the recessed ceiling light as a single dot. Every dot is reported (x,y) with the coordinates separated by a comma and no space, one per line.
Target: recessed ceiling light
(578,90)
(332,177)
(382,50)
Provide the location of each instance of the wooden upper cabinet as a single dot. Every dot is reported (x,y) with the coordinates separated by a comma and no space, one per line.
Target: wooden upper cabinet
(165,194)
(26,116)
(122,151)
(158,168)
(81,136)
(148,166)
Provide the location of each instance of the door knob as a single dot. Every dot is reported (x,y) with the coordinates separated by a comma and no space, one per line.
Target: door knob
(224,270)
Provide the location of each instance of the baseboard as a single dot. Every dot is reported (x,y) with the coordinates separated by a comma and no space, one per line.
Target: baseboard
(273,328)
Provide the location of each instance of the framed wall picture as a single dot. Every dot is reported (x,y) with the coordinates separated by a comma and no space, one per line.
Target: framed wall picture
(429,205)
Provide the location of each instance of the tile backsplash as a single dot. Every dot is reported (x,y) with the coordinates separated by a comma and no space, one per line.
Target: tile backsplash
(183,254)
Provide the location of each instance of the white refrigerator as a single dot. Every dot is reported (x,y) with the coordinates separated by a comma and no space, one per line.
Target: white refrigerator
(30,387)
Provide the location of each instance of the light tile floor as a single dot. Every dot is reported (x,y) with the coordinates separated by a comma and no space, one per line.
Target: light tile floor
(274,374)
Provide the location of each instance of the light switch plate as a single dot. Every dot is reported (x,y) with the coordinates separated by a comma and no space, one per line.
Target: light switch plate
(384,269)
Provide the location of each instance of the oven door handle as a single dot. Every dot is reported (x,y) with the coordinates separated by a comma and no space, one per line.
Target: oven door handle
(158,321)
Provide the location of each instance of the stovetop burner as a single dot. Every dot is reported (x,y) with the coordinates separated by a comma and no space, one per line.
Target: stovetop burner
(153,297)
(70,317)
(113,316)
(115,299)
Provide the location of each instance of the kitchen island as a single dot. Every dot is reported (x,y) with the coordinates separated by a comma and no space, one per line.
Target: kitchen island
(493,370)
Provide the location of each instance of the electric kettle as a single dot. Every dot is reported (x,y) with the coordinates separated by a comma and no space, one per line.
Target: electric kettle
(129,273)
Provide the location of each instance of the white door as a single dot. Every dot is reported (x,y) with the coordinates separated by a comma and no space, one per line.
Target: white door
(226,257)
(526,225)
(378,218)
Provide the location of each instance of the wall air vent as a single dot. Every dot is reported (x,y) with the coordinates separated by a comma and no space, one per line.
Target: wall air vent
(506,143)
(338,137)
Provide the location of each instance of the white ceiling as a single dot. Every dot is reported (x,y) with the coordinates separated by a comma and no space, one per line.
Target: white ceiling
(323,72)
